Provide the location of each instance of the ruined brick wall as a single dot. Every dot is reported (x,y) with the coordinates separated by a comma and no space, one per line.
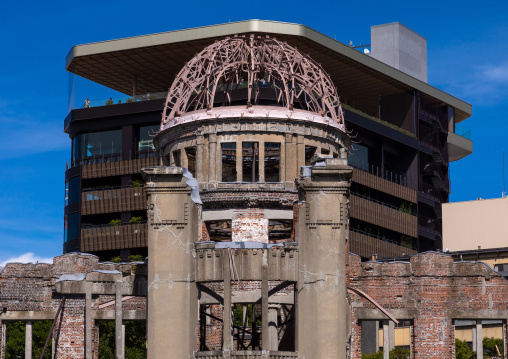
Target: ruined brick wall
(28,290)
(434,289)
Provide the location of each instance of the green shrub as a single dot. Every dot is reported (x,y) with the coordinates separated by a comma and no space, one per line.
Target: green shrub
(489,347)
(116,259)
(395,353)
(136,220)
(137,183)
(109,102)
(115,222)
(462,350)
(136,258)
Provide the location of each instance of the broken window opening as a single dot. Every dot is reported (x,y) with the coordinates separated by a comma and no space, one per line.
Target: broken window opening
(219,231)
(191,160)
(280,230)
(229,162)
(325,151)
(309,153)
(272,162)
(210,327)
(250,161)
(176,159)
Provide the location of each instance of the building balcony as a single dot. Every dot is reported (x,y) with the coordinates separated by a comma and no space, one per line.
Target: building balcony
(383,216)
(365,244)
(395,189)
(114,237)
(114,200)
(459,146)
(117,168)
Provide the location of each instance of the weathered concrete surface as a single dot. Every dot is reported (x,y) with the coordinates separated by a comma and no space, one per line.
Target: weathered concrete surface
(173,225)
(322,305)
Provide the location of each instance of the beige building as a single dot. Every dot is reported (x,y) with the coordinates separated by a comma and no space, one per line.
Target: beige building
(473,225)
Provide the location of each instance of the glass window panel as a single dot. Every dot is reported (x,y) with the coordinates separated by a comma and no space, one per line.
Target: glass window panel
(74,190)
(97,144)
(66,200)
(228,162)
(71,227)
(250,159)
(146,134)
(359,157)
(272,162)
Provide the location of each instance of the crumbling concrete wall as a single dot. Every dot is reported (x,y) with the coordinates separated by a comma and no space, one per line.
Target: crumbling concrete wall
(432,291)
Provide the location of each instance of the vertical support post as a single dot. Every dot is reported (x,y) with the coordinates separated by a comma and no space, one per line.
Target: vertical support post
(119,339)
(321,230)
(53,342)
(88,322)
(265,341)
(3,338)
(300,153)
(227,340)
(474,336)
(172,291)
(239,161)
(386,340)
(273,311)
(261,156)
(290,161)
(212,163)
(28,340)
(391,330)
(200,175)
(479,340)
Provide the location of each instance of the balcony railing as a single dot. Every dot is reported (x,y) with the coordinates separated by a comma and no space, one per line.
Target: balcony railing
(365,244)
(115,200)
(379,215)
(113,237)
(398,178)
(366,179)
(124,99)
(117,168)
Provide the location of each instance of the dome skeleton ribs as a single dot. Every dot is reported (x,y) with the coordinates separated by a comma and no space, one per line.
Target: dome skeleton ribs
(267,62)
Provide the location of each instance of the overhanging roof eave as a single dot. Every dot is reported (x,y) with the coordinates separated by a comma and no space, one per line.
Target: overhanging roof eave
(464,109)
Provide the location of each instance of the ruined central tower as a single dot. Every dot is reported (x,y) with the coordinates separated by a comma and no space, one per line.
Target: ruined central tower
(248,213)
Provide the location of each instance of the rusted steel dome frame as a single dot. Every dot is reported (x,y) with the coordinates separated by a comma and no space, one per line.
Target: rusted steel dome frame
(219,68)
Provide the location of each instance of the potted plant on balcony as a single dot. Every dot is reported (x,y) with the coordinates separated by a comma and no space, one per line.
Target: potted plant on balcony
(116,223)
(136,220)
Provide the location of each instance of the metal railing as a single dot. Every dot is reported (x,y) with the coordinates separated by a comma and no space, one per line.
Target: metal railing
(398,178)
(124,99)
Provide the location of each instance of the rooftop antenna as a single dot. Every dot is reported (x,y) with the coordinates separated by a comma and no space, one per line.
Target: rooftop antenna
(504,180)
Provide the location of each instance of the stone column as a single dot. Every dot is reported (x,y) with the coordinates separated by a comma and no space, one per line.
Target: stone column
(202,172)
(88,322)
(322,309)
(212,163)
(388,337)
(273,311)
(3,330)
(479,340)
(28,340)
(239,161)
(119,338)
(290,160)
(172,294)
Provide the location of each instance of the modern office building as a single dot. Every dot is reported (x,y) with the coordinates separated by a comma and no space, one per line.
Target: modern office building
(403,129)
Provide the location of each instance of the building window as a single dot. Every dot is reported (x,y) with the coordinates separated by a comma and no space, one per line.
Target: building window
(250,162)
(97,144)
(191,159)
(272,162)
(228,156)
(72,190)
(71,227)
(359,157)
(145,143)
(309,153)
(176,159)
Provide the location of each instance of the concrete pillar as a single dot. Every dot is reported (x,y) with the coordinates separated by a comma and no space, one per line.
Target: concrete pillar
(172,307)
(88,322)
(200,159)
(3,338)
(273,311)
(290,160)
(322,308)
(474,337)
(300,145)
(212,163)
(261,161)
(388,337)
(227,339)
(265,343)
(28,340)
(119,339)
(391,332)
(479,340)
(239,161)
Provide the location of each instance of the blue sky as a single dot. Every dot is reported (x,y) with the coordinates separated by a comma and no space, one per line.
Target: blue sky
(467,57)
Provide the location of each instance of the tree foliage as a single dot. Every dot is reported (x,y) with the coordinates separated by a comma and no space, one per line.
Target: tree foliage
(489,347)
(15,346)
(135,339)
(462,350)
(395,353)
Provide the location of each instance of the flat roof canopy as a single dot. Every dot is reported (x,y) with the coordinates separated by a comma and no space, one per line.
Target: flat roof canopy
(154,60)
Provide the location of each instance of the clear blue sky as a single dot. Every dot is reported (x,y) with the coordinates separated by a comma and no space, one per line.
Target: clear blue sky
(467,57)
